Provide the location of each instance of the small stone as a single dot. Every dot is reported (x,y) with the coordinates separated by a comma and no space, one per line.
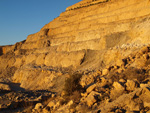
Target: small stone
(53,95)
(143,85)
(70,103)
(115,67)
(38,106)
(91,88)
(83,94)
(118,111)
(105,71)
(122,81)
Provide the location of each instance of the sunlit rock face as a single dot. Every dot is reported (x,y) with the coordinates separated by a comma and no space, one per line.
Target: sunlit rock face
(91,25)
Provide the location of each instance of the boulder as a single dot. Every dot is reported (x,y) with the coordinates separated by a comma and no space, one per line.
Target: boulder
(116,91)
(92,98)
(118,86)
(133,106)
(146,91)
(131,85)
(147,104)
(90,88)
(142,85)
(5,87)
(64,59)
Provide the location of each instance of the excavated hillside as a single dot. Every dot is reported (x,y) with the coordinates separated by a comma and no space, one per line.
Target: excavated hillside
(94,57)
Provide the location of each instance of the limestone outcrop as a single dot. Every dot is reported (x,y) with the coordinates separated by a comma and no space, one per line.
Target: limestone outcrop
(105,43)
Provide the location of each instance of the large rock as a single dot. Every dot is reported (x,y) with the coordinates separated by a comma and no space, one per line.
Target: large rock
(90,88)
(118,86)
(131,85)
(133,106)
(5,87)
(117,91)
(92,98)
(64,59)
(105,71)
(35,78)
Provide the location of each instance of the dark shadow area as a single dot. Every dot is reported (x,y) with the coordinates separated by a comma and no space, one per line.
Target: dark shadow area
(131,74)
(15,101)
(14,86)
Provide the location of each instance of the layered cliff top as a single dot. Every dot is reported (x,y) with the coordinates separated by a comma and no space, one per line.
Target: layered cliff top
(89,23)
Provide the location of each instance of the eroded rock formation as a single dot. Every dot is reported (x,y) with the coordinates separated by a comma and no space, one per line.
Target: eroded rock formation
(106,41)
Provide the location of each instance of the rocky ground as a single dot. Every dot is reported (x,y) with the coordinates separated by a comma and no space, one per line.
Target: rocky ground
(122,87)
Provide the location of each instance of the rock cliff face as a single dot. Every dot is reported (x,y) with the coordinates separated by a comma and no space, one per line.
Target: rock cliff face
(102,25)
(106,37)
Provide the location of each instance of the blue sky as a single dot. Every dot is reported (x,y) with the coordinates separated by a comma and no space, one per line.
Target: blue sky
(19,18)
